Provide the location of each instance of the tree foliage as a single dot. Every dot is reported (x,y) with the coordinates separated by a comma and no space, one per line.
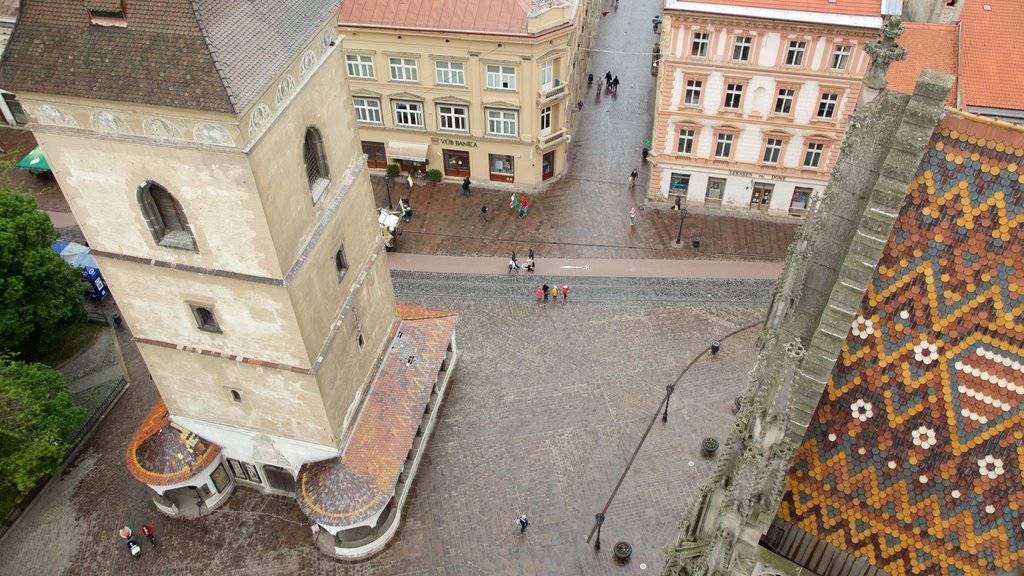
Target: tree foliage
(37,414)
(39,292)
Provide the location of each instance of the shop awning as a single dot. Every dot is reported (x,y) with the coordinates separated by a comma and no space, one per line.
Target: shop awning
(412,151)
(35,161)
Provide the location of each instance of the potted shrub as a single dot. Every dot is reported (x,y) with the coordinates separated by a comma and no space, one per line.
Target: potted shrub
(623,550)
(393,170)
(709,446)
(434,175)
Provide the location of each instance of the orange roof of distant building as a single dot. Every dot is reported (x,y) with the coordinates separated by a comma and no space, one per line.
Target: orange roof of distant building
(846,7)
(486,16)
(931,46)
(992,54)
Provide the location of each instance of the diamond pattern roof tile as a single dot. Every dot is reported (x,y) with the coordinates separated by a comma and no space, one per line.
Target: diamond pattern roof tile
(161,453)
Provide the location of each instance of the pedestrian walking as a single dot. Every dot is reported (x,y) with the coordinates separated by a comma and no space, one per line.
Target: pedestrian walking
(547,291)
(608,77)
(523,523)
(565,293)
(522,211)
(147,531)
(615,85)
(632,177)
(529,264)
(554,293)
(524,205)
(599,85)
(632,216)
(483,212)
(540,293)
(465,186)
(513,265)
(590,79)
(530,254)
(125,532)
(133,547)
(513,203)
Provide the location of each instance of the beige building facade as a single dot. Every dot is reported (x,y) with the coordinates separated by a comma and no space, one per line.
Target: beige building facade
(753,100)
(493,100)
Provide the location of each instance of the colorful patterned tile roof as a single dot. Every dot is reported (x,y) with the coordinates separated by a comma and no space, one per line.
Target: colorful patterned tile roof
(161,453)
(932,46)
(484,16)
(357,485)
(914,456)
(992,54)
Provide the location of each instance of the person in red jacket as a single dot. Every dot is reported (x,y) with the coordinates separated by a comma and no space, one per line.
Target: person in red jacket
(147,531)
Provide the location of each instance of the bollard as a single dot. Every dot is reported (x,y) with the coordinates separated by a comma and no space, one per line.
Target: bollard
(117,319)
(696,242)
(716,346)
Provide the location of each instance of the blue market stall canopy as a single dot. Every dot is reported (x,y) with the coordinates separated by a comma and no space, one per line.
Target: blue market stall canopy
(79,257)
(35,161)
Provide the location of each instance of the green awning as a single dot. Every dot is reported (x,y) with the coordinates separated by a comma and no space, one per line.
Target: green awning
(35,161)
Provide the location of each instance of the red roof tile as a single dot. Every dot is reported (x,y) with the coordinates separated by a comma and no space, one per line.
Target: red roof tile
(931,46)
(354,487)
(489,16)
(992,54)
(846,7)
(9,9)
(161,453)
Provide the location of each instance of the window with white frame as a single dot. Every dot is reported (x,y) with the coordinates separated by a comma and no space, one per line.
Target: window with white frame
(502,122)
(403,69)
(693,92)
(359,66)
(699,46)
(795,53)
(723,146)
(452,118)
(545,119)
(827,105)
(686,136)
(547,73)
(408,114)
(733,96)
(501,77)
(450,73)
(812,157)
(772,150)
(840,58)
(367,110)
(741,48)
(784,101)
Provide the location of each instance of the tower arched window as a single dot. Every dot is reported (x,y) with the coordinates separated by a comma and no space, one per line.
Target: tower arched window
(165,217)
(315,160)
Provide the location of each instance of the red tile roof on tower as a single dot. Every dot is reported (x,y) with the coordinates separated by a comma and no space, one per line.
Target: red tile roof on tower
(931,46)
(487,16)
(992,54)
(846,7)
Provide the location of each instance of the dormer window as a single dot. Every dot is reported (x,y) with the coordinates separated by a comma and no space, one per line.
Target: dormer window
(111,14)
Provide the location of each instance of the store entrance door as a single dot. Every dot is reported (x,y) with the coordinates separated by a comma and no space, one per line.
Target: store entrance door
(761,197)
(456,163)
(548,165)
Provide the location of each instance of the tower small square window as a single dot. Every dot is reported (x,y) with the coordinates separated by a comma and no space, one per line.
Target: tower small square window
(362,342)
(236,395)
(205,320)
(340,262)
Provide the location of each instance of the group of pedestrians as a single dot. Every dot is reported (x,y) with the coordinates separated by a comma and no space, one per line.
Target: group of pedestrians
(513,263)
(133,546)
(611,83)
(517,205)
(546,291)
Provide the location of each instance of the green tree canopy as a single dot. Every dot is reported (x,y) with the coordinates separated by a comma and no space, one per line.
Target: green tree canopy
(39,292)
(37,414)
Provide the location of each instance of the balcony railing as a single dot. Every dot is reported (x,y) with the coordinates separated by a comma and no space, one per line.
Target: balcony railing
(555,137)
(556,90)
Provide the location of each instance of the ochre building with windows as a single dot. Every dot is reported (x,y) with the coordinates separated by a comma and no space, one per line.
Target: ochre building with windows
(488,91)
(753,99)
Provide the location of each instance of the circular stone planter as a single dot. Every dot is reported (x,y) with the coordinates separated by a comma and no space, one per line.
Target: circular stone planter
(623,550)
(709,446)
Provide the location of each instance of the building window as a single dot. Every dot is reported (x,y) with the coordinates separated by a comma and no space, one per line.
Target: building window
(545,119)
(409,114)
(795,54)
(453,118)
(359,66)
(723,146)
(812,158)
(741,48)
(798,204)
(547,73)
(403,69)
(244,471)
(840,58)
(501,77)
(733,96)
(502,122)
(450,73)
(827,106)
(716,186)
(784,101)
(772,151)
(502,167)
(165,217)
(699,47)
(205,320)
(367,110)
(686,137)
(316,162)
(360,340)
(694,88)
(236,395)
(340,262)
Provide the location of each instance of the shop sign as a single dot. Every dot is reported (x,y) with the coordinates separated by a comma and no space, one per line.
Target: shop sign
(760,176)
(463,143)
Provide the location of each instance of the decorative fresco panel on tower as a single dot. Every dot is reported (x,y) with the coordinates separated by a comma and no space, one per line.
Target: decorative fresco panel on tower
(913,457)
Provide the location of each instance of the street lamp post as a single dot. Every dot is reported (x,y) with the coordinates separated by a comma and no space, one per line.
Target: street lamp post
(599,517)
(387,184)
(682,216)
(669,389)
